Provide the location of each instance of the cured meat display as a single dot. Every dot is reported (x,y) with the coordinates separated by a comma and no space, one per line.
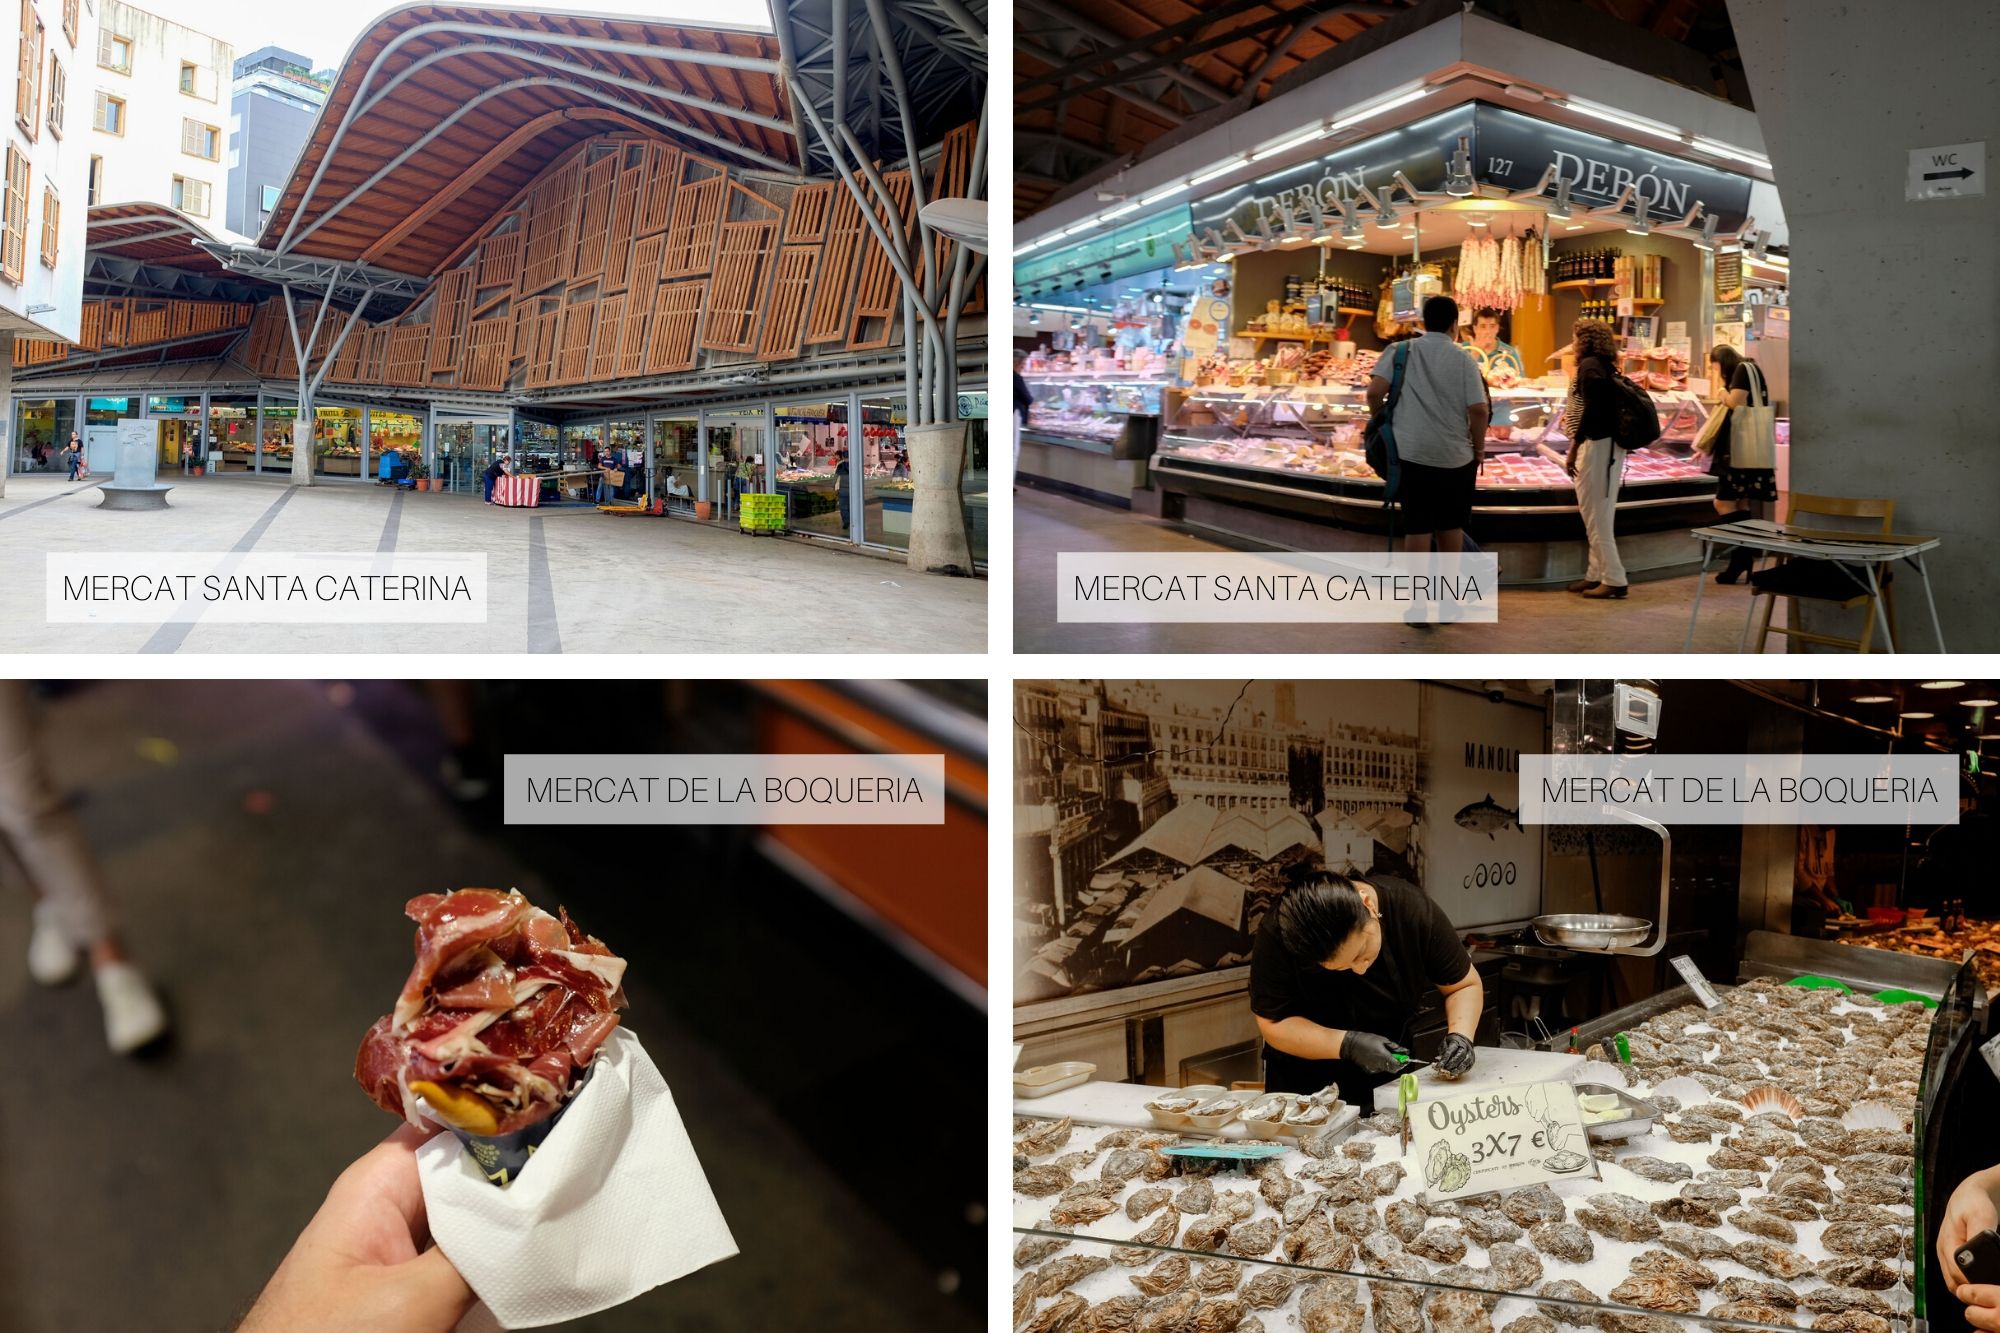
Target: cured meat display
(1497,272)
(497,1024)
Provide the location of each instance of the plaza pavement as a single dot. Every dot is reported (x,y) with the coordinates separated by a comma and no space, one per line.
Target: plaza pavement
(560,580)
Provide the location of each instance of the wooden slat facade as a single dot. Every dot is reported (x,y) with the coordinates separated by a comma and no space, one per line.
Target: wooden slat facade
(631,258)
(132,321)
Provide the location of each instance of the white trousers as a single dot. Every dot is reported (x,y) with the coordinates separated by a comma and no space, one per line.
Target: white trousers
(37,831)
(1598,473)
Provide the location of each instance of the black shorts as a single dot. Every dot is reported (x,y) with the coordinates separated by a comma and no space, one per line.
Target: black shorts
(1436,499)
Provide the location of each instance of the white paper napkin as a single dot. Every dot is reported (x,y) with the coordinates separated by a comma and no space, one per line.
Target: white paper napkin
(612,1204)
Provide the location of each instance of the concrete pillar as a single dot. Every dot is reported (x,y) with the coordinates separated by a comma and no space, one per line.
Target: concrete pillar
(8,447)
(1895,332)
(939,543)
(302,443)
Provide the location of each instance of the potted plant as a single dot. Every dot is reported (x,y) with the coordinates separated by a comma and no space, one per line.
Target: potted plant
(420,473)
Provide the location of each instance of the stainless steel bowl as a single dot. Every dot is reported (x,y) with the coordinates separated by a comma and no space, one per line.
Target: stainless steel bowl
(1587,930)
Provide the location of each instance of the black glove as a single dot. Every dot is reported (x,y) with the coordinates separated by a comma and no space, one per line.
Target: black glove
(1375,1055)
(1455,1055)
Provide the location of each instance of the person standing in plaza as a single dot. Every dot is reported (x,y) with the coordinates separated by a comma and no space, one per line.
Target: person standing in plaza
(1594,463)
(73,454)
(1740,492)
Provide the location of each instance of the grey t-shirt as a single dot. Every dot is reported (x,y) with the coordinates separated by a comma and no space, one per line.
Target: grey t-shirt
(1439,383)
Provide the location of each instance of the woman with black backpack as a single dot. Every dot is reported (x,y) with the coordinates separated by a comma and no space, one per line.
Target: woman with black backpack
(1595,464)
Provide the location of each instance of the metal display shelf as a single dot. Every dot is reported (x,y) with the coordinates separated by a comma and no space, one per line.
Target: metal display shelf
(1766,953)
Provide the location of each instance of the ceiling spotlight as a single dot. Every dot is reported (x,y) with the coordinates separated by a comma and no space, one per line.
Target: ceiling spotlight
(1874,699)
(1458,177)
(1706,241)
(1476,220)
(1641,224)
(1387,216)
(1560,209)
(1979,703)
(1350,228)
(1034,317)
(1916,717)
(1942,684)
(1756,243)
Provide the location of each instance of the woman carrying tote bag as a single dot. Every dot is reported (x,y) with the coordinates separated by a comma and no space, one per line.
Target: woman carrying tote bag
(1742,439)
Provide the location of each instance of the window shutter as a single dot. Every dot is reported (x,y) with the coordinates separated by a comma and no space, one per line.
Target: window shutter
(196,196)
(191,137)
(107,54)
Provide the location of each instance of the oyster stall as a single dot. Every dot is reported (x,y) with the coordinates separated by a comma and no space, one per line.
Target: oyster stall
(1776,1189)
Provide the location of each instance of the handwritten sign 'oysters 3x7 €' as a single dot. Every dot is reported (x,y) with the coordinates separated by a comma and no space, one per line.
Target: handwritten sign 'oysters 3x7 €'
(1479,1142)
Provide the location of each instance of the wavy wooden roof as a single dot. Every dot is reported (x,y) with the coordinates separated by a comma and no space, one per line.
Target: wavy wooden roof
(457,108)
(149,234)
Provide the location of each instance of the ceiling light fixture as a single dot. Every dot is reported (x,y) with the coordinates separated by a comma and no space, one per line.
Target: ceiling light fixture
(1605,113)
(1219,170)
(1458,177)
(1720,149)
(1354,116)
(1979,703)
(1706,240)
(1942,684)
(1350,230)
(1873,699)
(1916,717)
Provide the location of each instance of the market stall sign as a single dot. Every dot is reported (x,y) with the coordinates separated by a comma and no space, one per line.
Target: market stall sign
(1307,192)
(1499,1140)
(1949,171)
(1142,246)
(1697,982)
(1512,151)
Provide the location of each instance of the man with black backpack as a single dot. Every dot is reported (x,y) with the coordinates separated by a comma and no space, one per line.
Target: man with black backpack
(1607,415)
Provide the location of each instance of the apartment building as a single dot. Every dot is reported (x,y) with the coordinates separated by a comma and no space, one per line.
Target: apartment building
(273,103)
(159,120)
(41,191)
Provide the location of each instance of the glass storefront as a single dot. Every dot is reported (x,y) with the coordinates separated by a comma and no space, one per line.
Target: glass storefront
(812,451)
(274,445)
(464,448)
(676,460)
(538,447)
(337,442)
(736,462)
(888,493)
(232,434)
(41,429)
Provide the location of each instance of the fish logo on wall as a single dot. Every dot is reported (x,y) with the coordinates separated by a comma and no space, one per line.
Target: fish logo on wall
(1487,817)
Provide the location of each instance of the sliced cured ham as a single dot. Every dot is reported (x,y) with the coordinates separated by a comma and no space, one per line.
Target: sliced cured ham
(502,1012)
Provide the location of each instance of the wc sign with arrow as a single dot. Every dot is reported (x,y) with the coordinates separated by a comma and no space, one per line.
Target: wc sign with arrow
(1951,172)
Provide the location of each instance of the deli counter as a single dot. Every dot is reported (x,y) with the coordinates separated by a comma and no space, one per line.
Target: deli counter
(1283,464)
(1092,433)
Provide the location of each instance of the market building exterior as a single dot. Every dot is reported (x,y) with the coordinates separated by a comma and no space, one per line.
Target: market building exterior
(159,113)
(650,275)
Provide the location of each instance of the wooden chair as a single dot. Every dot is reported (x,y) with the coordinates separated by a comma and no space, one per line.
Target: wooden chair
(1833,506)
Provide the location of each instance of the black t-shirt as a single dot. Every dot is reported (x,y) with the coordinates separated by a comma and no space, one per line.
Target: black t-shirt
(493,471)
(1420,952)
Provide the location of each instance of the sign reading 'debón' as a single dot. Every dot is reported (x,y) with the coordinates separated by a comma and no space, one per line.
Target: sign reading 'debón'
(1740,788)
(1478,1142)
(275,588)
(724,789)
(1224,587)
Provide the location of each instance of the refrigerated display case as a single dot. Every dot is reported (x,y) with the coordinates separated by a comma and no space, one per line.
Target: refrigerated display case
(1284,464)
(1119,415)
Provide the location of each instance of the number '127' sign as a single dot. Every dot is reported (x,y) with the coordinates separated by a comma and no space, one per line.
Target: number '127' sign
(1501,1139)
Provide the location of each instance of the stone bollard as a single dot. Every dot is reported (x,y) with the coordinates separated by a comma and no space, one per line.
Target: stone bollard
(939,543)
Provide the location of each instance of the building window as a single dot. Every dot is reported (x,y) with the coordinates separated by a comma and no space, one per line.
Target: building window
(190,196)
(201,140)
(114,52)
(69,21)
(51,221)
(95,194)
(28,86)
(187,77)
(272,193)
(110,114)
(14,215)
(58,93)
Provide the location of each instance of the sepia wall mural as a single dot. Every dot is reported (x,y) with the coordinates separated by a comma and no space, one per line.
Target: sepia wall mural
(1157,822)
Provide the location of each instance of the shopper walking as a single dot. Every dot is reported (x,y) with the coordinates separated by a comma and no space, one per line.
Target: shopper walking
(1740,492)
(1023,400)
(71,919)
(1595,464)
(73,454)
(1439,420)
